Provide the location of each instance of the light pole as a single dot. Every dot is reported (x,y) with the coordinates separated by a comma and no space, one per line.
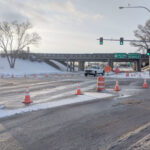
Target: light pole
(121,7)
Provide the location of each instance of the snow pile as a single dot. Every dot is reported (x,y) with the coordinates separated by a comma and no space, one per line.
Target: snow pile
(143,75)
(25,67)
(63,102)
(126,68)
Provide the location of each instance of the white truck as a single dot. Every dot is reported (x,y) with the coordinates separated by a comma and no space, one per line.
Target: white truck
(94,70)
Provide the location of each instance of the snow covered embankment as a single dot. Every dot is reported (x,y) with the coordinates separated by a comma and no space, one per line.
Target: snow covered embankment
(25,67)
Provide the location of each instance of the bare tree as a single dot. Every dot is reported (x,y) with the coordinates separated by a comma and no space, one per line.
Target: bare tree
(14,37)
(143,35)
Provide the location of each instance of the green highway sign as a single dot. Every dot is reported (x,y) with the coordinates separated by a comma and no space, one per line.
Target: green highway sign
(134,56)
(120,55)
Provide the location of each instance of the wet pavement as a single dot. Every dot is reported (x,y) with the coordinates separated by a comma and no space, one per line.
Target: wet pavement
(114,123)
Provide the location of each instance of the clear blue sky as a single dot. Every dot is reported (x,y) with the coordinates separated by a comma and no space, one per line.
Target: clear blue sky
(72,26)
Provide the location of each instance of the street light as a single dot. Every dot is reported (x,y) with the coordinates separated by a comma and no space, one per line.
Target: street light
(121,7)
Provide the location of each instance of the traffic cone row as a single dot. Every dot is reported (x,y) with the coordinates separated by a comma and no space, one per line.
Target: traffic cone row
(27,99)
(145,85)
(46,75)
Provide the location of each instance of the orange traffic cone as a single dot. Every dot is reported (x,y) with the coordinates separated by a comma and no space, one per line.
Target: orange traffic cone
(117,86)
(27,97)
(78,92)
(145,84)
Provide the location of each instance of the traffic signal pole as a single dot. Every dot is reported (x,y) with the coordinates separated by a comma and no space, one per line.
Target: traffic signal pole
(101,39)
(123,40)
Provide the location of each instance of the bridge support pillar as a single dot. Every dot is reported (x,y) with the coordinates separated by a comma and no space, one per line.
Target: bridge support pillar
(81,65)
(139,65)
(72,65)
(110,63)
(68,68)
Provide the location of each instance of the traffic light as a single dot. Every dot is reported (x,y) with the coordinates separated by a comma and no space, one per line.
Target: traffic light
(148,52)
(121,41)
(101,41)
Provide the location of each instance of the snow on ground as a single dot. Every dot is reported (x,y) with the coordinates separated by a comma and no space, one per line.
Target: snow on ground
(126,68)
(25,67)
(61,66)
(143,75)
(78,99)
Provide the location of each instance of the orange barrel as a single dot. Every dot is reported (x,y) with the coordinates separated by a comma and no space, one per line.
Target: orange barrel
(127,74)
(100,84)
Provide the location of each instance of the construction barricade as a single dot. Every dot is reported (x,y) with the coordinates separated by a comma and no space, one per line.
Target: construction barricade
(100,83)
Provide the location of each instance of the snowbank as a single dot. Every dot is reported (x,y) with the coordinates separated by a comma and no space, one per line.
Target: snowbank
(25,67)
(143,75)
(78,99)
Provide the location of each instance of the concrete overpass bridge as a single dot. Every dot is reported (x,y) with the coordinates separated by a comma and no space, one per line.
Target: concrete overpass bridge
(136,58)
(80,59)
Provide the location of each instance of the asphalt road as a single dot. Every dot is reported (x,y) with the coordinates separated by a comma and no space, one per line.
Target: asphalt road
(118,123)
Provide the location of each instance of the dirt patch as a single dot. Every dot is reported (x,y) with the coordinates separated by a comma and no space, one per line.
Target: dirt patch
(131,102)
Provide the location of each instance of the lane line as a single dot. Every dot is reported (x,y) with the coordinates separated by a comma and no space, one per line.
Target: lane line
(126,136)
